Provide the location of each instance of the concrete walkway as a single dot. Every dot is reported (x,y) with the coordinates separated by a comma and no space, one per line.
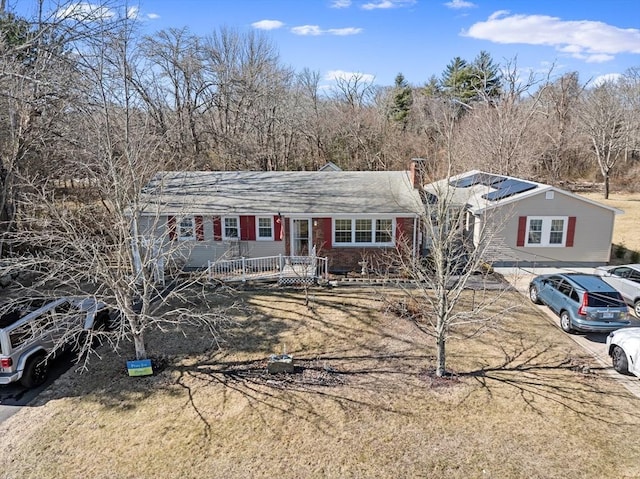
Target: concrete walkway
(593,343)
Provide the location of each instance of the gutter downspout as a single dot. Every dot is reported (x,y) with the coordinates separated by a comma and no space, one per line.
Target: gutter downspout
(415,239)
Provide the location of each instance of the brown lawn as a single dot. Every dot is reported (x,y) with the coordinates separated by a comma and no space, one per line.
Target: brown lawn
(627,226)
(525,402)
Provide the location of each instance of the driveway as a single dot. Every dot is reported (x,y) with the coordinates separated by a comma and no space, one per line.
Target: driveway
(593,343)
(14,396)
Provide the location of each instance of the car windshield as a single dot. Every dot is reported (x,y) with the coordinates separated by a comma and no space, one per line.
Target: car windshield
(605,299)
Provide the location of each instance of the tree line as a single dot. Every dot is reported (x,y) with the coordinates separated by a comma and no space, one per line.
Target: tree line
(226,101)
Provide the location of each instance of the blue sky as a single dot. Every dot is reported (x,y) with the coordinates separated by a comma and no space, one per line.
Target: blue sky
(380,38)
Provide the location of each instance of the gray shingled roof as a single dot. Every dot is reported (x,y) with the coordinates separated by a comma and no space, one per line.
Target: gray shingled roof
(474,197)
(290,193)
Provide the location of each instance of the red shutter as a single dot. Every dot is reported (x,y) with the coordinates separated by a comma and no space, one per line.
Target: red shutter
(399,230)
(278,232)
(199,228)
(171,226)
(217,228)
(571,231)
(248,228)
(522,230)
(327,233)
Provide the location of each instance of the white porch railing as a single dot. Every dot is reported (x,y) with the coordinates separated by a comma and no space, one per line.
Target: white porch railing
(290,269)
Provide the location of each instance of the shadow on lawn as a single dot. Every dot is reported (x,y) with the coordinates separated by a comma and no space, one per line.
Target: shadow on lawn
(353,373)
(338,378)
(565,380)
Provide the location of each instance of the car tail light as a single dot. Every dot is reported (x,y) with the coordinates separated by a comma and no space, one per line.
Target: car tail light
(585,303)
(6,362)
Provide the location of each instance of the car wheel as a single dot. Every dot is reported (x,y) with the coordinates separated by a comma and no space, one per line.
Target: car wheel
(35,372)
(619,360)
(565,322)
(636,308)
(533,295)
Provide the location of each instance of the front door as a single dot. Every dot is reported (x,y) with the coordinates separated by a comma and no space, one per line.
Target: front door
(301,237)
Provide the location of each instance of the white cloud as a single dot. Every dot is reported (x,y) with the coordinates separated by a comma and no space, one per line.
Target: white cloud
(587,40)
(459,4)
(333,75)
(267,24)
(307,30)
(341,4)
(597,58)
(498,14)
(384,4)
(315,30)
(153,16)
(608,77)
(133,12)
(84,11)
(344,31)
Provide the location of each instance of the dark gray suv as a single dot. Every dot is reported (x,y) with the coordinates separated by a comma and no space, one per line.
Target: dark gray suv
(584,302)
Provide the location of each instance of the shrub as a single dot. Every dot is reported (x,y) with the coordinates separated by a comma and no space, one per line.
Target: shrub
(619,251)
(634,257)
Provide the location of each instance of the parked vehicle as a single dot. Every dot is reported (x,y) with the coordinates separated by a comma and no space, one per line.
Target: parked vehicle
(623,345)
(584,302)
(31,335)
(626,279)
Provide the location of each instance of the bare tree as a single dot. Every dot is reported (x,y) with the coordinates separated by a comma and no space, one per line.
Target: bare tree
(458,241)
(559,145)
(494,131)
(246,103)
(604,121)
(630,91)
(36,78)
(104,246)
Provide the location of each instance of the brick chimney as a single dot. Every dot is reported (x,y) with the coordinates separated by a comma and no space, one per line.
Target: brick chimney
(416,172)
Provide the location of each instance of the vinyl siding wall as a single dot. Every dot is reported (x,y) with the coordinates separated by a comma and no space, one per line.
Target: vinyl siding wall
(197,254)
(591,240)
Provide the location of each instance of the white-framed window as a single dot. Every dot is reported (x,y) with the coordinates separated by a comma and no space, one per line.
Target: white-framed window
(186,229)
(363,232)
(264,228)
(546,231)
(230,228)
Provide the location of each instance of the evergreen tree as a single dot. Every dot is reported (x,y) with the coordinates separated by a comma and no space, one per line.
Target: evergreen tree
(486,76)
(457,81)
(469,82)
(432,87)
(402,100)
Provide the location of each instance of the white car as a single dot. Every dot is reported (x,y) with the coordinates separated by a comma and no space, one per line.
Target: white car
(626,279)
(623,345)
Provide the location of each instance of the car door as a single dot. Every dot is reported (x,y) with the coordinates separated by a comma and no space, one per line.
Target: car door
(634,285)
(619,279)
(549,293)
(566,297)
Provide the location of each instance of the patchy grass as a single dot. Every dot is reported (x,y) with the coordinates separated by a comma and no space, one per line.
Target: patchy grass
(625,231)
(362,403)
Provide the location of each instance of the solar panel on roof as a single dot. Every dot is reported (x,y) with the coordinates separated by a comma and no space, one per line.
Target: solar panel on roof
(509,187)
(466,181)
(477,179)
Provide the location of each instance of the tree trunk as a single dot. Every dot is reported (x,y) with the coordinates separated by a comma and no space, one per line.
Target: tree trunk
(441,356)
(606,186)
(138,341)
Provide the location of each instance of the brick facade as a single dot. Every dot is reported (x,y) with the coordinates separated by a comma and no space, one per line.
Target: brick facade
(346,259)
